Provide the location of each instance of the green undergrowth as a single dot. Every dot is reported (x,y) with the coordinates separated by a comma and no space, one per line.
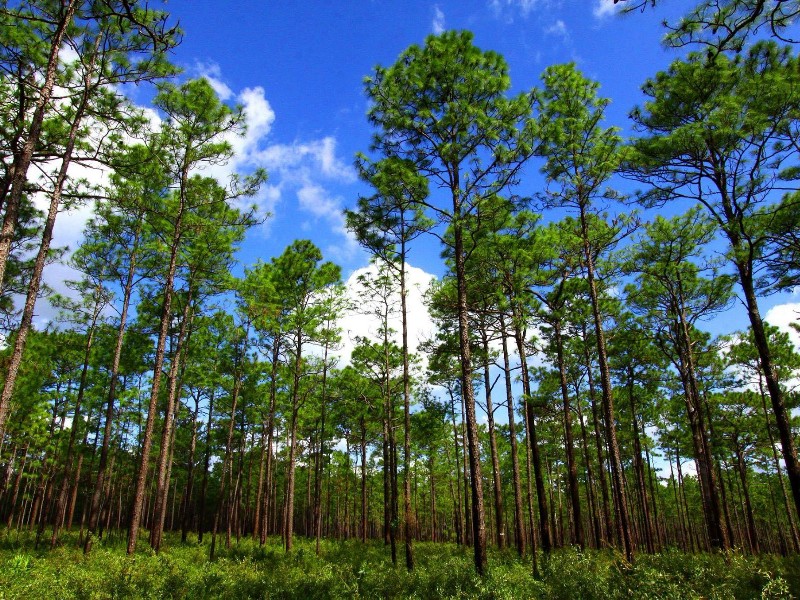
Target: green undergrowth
(354,570)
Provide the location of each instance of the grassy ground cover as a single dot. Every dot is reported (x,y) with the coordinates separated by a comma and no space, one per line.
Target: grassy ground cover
(352,570)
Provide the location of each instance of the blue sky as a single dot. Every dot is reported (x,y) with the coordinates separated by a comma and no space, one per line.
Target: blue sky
(298,69)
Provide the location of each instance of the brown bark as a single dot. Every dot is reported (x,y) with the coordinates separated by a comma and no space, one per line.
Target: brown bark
(741,467)
(467,391)
(166,314)
(163,463)
(408,517)
(608,526)
(61,498)
(99,485)
(519,518)
(497,484)
(544,522)
(14,362)
(618,485)
(572,467)
(201,521)
(224,493)
(268,507)
(188,494)
(22,160)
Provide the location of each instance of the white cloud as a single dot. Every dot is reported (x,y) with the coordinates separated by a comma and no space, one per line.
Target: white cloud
(299,160)
(558,29)
(211,72)
(506,8)
(781,315)
(303,167)
(604,8)
(361,322)
(314,199)
(438,24)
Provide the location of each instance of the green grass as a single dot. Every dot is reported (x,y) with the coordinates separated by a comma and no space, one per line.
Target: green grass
(353,570)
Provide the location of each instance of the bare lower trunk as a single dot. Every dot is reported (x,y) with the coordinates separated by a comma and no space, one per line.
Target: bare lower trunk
(519,518)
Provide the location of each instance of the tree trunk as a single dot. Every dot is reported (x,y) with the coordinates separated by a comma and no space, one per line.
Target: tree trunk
(771,378)
(468,394)
(166,315)
(618,487)
(572,467)
(519,517)
(170,413)
(497,484)
(99,485)
(22,160)
(408,517)
(544,521)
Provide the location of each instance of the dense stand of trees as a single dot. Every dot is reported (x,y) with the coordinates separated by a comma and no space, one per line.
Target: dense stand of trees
(172,395)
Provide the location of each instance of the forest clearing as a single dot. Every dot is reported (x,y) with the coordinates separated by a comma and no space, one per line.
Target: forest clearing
(515,345)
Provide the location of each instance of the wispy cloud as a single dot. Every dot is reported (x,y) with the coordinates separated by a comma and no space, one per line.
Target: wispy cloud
(438,24)
(213,75)
(557,29)
(508,8)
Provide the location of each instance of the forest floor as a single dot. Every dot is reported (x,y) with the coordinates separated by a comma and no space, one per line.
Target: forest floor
(354,570)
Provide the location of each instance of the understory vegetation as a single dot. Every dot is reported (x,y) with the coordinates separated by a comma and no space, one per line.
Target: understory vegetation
(351,569)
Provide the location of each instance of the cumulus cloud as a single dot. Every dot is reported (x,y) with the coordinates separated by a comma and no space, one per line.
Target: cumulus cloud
(782,315)
(301,168)
(362,321)
(438,25)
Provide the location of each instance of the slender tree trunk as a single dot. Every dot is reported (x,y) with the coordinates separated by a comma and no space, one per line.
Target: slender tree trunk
(777,463)
(273,387)
(163,464)
(319,467)
(572,467)
(61,501)
(408,521)
(22,160)
(467,391)
(457,470)
(519,517)
(544,522)
(363,481)
(638,466)
(771,378)
(166,315)
(224,494)
(99,485)
(188,493)
(590,490)
(751,523)
(618,485)
(201,521)
(288,518)
(15,360)
(596,422)
(497,484)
